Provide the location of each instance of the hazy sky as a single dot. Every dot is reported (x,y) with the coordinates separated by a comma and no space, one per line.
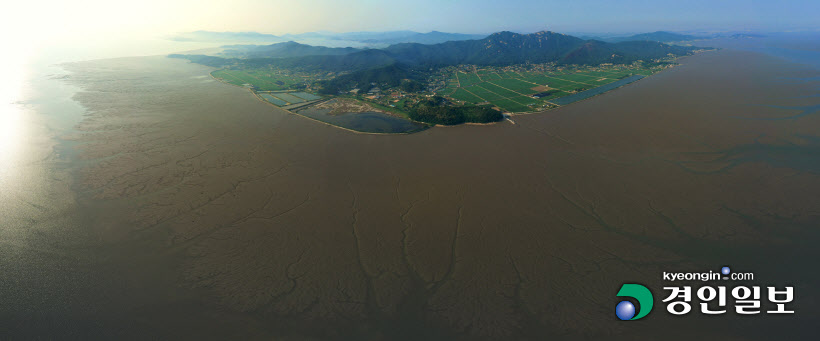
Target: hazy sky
(86,18)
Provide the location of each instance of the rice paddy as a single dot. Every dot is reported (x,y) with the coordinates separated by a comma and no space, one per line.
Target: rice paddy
(518,90)
(262,79)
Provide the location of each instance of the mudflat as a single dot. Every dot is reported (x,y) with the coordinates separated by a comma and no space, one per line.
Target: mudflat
(222,216)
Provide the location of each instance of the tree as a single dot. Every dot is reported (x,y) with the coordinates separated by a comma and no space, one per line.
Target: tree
(436,111)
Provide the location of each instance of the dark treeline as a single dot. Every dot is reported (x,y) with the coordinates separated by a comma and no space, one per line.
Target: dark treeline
(546,93)
(435,111)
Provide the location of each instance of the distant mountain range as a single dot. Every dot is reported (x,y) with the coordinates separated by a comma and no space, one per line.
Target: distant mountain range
(434,37)
(284,50)
(659,36)
(368,38)
(742,36)
(408,60)
(226,37)
(384,39)
(502,48)
(671,37)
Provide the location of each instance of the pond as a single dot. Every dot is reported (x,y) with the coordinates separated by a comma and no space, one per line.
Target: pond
(369,122)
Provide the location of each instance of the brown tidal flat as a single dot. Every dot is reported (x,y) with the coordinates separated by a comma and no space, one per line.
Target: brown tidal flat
(249,222)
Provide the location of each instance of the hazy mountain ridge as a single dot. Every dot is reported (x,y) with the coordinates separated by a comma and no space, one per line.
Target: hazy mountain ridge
(206,36)
(284,50)
(370,38)
(659,36)
(433,37)
(502,48)
(672,37)
(507,48)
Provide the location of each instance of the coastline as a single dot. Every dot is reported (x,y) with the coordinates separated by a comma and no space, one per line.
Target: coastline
(251,224)
(439,125)
(255,94)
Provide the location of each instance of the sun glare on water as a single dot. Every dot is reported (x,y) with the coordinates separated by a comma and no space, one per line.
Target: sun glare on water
(26,27)
(11,111)
(15,59)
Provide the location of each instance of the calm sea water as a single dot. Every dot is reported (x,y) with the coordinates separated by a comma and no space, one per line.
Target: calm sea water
(802,48)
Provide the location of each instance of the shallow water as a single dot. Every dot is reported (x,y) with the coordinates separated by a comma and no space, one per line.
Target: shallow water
(199,212)
(273,100)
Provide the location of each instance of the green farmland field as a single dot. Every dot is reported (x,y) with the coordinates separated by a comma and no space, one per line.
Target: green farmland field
(512,88)
(482,92)
(263,80)
(463,95)
(499,90)
(468,79)
(511,105)
(516,85)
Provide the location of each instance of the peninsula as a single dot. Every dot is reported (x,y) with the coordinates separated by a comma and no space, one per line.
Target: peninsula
(455,82)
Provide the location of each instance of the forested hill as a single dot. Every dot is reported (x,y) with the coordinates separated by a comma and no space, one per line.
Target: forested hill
(502,48)
(508,48)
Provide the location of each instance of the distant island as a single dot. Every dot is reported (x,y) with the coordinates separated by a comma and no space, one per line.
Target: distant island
(367,38)
(454,82)
(658,36)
